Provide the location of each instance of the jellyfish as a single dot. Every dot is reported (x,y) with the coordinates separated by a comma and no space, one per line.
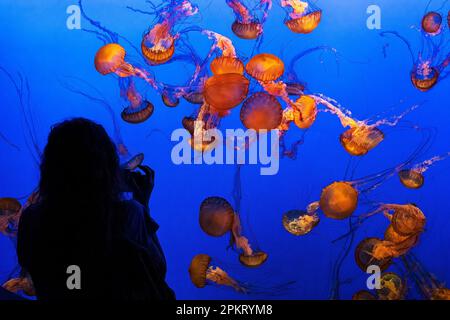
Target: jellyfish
(265,67)
(302,16)
(304,112)
(10,210)
(134,162)
(247,25)
(339,200)
(407,219)
(158,43)
(432,22)
(202,273)
(169,98)
(392,287)
(364,295)
(299,222)
(197,129)
(364,255)
(139,109)
(216,216)
(261,111)
(23,284)
(413,178)
(225,91)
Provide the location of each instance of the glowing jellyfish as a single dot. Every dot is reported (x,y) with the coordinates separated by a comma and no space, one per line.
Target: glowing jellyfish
(225,91)
(424,77)
(247,25)
(339,200)
(303,16)
(363,295)
(413,178)
(261,111)
(10,210)
(158,44)
(358,141)
(254,260)
(407,220)
(431,23)
(22,284)
(170,99)
(202,273)
(222,65)
(364,255)
(392,287)
(139,109)
(216,216)
(134,162)
(265,67)
(305,112)
(300,223)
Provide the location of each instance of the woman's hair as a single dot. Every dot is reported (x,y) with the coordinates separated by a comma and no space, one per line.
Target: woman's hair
(79,183)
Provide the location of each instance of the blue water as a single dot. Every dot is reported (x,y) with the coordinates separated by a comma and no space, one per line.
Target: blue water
(35,41)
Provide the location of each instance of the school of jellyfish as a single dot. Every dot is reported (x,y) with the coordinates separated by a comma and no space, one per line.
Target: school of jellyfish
(266,92)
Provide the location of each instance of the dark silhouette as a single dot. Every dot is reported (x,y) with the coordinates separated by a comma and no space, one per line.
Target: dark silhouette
(80,219)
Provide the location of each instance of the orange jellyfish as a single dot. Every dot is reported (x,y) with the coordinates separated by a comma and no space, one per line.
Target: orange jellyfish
(392,287)
(225,91)
(216,216)
(139,109)
(364,255)
(134,162)
(304,112)
(202,273)
(413,178)
(24,284)
(299,222)
(170,99)
(407,220)
(247,25)
(227,62)
(303,17)
(432,22)
(265,67)
(10,210)
(158,44)
(339,200)
(261,111)
(363,295)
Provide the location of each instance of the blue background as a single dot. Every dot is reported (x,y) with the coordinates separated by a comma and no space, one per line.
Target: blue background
(34,40)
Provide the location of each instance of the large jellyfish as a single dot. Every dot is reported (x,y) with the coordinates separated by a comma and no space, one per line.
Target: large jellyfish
(202,273)
(216,216)
(261,111)
(247,24)
(413,177)
(158,43)
(265,67)
(364,255)
(302,16)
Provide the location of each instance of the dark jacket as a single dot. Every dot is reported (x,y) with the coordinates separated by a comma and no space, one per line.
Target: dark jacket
(135,269)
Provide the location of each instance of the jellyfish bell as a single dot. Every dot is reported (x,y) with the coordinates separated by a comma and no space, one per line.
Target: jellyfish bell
(364,295)
(305,24)
(392,287)
(202,273)
(111,59)
(261,111)
(300,223)
(248,31)
(170,99)
(403,241)
(411,178)
(432,22)
(216,216)
(425,82)
(364,255)
(305,112)
(225,91)
(339,200)
(407,219)
(359,140)
(265,67)
(224,64)
(254,260)
(134,162)
(158,46)
(139,114)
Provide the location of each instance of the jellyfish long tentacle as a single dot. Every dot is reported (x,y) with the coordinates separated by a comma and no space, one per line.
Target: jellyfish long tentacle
(404,40)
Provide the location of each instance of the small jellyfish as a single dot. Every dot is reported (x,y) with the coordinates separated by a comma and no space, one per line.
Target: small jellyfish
(22,284)
(364,256)
(247,25)
(431,23)
(424,77)
(339,200)
(111,59)
(358,141)
(392,287)
(254,260)
(134,162)
(305,112)
(303,16)
(10,210)
(139,109)
(225,91)
(216,216)
(194,97)
(261,111)
(300,223)
(265,67)
(170,99)
(202,273)
(364,295)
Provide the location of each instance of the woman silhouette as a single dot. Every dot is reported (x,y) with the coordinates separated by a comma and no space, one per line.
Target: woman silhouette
(80,222)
